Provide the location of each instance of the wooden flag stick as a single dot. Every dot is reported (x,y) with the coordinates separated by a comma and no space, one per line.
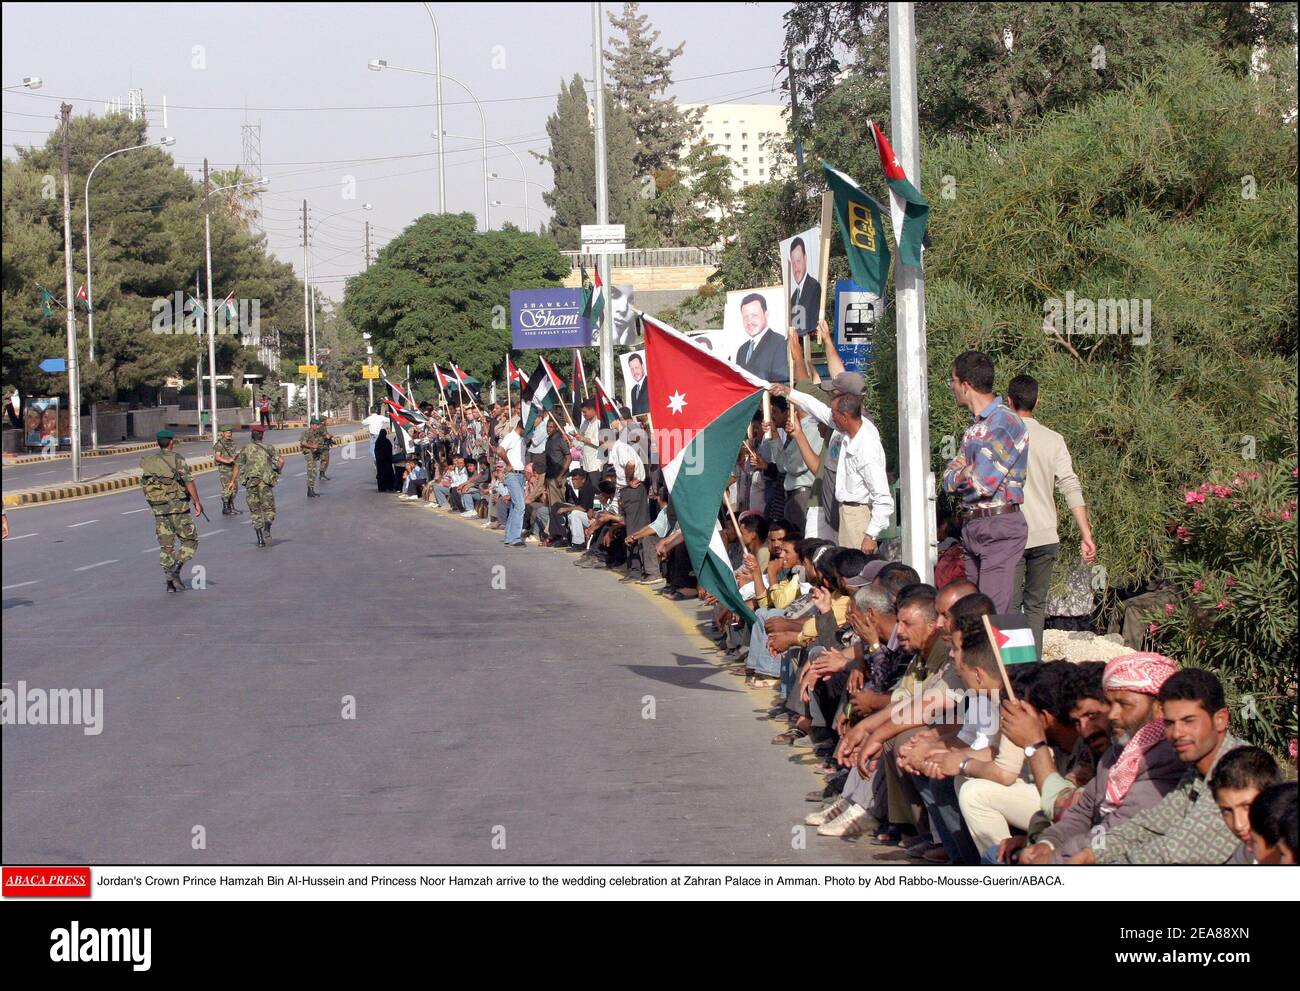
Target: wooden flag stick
(823,273)
(790,332)
(997,653)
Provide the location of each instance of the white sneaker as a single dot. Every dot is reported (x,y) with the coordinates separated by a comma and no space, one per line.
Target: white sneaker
(853,821)
(468,513)
(827,812)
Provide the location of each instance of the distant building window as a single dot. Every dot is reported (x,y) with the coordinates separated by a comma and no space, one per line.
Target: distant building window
(744,136)
(747,172)
(728,136)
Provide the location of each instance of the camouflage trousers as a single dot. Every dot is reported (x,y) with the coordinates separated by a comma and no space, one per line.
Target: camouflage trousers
(313,470)
(261,503)
(227,486)
(171,529)
(325,459)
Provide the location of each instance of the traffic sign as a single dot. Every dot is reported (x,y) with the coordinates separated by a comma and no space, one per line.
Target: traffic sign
(307,370)
(370,371)
(53,365)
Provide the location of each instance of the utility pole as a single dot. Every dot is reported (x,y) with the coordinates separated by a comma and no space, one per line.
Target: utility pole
(74,380)
(917,500)
(210,312)
(198,363)
(602,190)
(306,306)
(367,245)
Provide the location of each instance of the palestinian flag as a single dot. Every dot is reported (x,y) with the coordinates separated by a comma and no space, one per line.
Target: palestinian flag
(395,390)
(228,307)
(84,296)
(858,216)
(702,407)
(541,395)
(513,374)
(579,384)
(443,382)
(1013,638)
(197,311)
(593,299)
(907,207)
(606,411)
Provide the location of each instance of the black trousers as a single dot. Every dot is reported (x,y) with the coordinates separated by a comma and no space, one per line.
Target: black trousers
(677,569)
(635,503)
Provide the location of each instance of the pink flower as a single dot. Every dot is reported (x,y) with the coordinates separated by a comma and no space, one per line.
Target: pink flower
(1194,497)
(1184,535)
(1295,473)
(1232,582)
(1222,491)
(1153,629)
(1291,749)
(1170,609)
(1197,586)
(1221,604)
(1286,514)
(1205,487)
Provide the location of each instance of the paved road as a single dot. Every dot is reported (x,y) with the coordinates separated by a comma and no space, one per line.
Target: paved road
(477,709)
(59,472)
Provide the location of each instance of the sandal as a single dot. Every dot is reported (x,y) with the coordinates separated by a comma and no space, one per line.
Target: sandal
(672,595)
(887,836)
(789,736)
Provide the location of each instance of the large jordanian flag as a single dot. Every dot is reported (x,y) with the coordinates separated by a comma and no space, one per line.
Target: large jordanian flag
(701,407)
(907,207)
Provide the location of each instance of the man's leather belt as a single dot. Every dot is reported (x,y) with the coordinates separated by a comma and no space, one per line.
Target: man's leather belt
(979,514)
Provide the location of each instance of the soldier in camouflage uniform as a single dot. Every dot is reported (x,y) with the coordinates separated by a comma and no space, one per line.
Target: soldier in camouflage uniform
(169,490)
(312,443)
(325,451)
(223,453)
(259,466)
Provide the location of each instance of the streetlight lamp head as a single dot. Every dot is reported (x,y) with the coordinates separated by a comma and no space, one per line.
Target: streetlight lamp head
(367,206)
(263,181)
(493,175)
(32,82)
(376,64)
(166,142)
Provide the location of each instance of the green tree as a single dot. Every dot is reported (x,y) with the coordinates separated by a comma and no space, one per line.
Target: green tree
(572,154)
(440,293)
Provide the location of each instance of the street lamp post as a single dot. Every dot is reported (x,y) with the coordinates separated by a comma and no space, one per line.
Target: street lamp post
(90,291)
(378,64)
(211,312)
(525,180)
(310,290)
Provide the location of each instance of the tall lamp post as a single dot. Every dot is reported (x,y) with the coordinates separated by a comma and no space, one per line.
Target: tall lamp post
(90,291)
(211,313)
(525,180)
(379,64)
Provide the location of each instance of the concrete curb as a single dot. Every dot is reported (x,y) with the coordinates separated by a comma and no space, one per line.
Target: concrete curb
(59,493)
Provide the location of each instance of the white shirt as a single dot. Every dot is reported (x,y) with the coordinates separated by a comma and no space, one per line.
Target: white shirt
(513,445)
(458,476)
(860,476)
(591,455)
(980,724)
(375,423)
(619,454)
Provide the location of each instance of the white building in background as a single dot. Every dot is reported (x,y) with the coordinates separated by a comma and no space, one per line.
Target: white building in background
(743,132)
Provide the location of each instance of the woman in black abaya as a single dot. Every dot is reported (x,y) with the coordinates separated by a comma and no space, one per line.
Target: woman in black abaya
(384,463)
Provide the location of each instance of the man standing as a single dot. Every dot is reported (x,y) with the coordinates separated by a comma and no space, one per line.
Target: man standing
(374,423)
(634,501)
(639,396)
(557,461)
(765,352)
(537,443)
(588,437)
(1049,464)
(168,488)
(312,443)
(511,451)
(264,412)
(260,467)
(327,441)
(806,292)
(223,453)
(987,478)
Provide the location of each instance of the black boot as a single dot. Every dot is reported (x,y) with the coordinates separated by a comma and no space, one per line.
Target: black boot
(261,538)
(225,507)
(174,583)
(234,511)
(311,493)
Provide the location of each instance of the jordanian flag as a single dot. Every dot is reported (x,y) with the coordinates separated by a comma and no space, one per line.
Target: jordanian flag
(593,300)
(1013,638)
(84,296)
(513,374)
(858,216)
(542,394)
(606,411)
(701,407)
(907,207)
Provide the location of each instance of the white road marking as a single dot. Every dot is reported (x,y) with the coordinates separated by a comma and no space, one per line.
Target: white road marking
(39,474)
(20,585)
(25,536)
(300,474)
(130,511)
(73,526)
(98,564)
(211,532)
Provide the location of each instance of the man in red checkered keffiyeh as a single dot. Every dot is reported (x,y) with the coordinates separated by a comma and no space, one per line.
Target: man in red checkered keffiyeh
(1143,673)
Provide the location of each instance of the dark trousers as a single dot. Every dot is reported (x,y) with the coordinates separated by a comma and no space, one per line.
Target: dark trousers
(994,546)
(677,569)
(635,502)
(1033,582)
(940,798)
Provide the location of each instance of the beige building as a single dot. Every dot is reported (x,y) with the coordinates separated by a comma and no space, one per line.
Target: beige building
(744,132)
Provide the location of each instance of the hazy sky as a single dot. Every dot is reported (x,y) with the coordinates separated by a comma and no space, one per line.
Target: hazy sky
(277,59)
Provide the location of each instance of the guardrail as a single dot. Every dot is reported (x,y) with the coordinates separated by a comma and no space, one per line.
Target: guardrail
(648,258)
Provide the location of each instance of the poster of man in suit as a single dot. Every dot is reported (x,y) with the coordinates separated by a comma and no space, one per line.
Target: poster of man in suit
(753,337)
(800,259)
(636,390)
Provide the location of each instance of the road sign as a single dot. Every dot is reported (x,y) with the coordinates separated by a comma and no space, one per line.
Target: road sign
(370,371)
(53,365)
(603,239)
(309,370)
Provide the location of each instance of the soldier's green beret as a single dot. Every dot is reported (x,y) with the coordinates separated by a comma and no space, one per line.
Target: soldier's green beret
(315,419)
(165,435)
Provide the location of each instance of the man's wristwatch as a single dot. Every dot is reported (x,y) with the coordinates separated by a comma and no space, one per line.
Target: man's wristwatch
(1034,747)
(961,768)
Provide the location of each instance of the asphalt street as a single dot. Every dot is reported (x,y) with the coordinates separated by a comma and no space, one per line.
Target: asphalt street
(58,471)
(367,691)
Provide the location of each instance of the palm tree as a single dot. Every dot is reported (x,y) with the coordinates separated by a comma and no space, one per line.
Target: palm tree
(240,205)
